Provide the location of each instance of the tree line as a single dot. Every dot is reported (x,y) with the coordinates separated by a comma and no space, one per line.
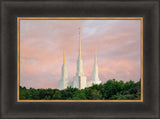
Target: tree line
(111,90)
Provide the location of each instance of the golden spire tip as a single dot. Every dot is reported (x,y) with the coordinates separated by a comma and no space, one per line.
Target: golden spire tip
(79,43)
(64,58)
(95,57)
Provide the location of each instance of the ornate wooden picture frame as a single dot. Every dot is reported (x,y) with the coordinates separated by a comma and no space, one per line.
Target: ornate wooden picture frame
(146,9)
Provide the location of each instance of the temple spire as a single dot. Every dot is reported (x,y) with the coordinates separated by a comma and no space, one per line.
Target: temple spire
(79,43)
(95,57)
(64,58)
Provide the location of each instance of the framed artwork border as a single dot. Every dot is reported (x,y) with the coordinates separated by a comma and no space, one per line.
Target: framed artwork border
(147,9)
(79,18)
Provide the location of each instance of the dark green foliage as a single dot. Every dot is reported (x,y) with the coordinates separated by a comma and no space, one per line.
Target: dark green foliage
(111,90)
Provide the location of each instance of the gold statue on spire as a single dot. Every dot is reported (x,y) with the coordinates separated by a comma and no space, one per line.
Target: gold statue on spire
(79,43)
(95,57)
(64,58)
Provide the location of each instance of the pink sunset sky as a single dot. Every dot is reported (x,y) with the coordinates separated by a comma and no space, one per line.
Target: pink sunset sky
(42,43)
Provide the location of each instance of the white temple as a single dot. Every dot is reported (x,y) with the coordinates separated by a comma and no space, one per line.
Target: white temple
(79,80)
(95,79)
(63,83)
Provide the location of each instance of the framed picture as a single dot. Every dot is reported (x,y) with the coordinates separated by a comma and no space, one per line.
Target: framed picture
(83,59)
(98,84)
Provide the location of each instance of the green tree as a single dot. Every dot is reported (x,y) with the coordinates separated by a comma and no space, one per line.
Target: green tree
(79,95)
(57,95)
(112,89)
(96,95)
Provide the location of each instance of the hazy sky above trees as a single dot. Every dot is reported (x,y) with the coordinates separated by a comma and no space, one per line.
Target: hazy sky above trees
(42,43)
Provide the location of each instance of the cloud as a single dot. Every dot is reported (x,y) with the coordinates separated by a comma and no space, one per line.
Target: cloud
(42,43)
